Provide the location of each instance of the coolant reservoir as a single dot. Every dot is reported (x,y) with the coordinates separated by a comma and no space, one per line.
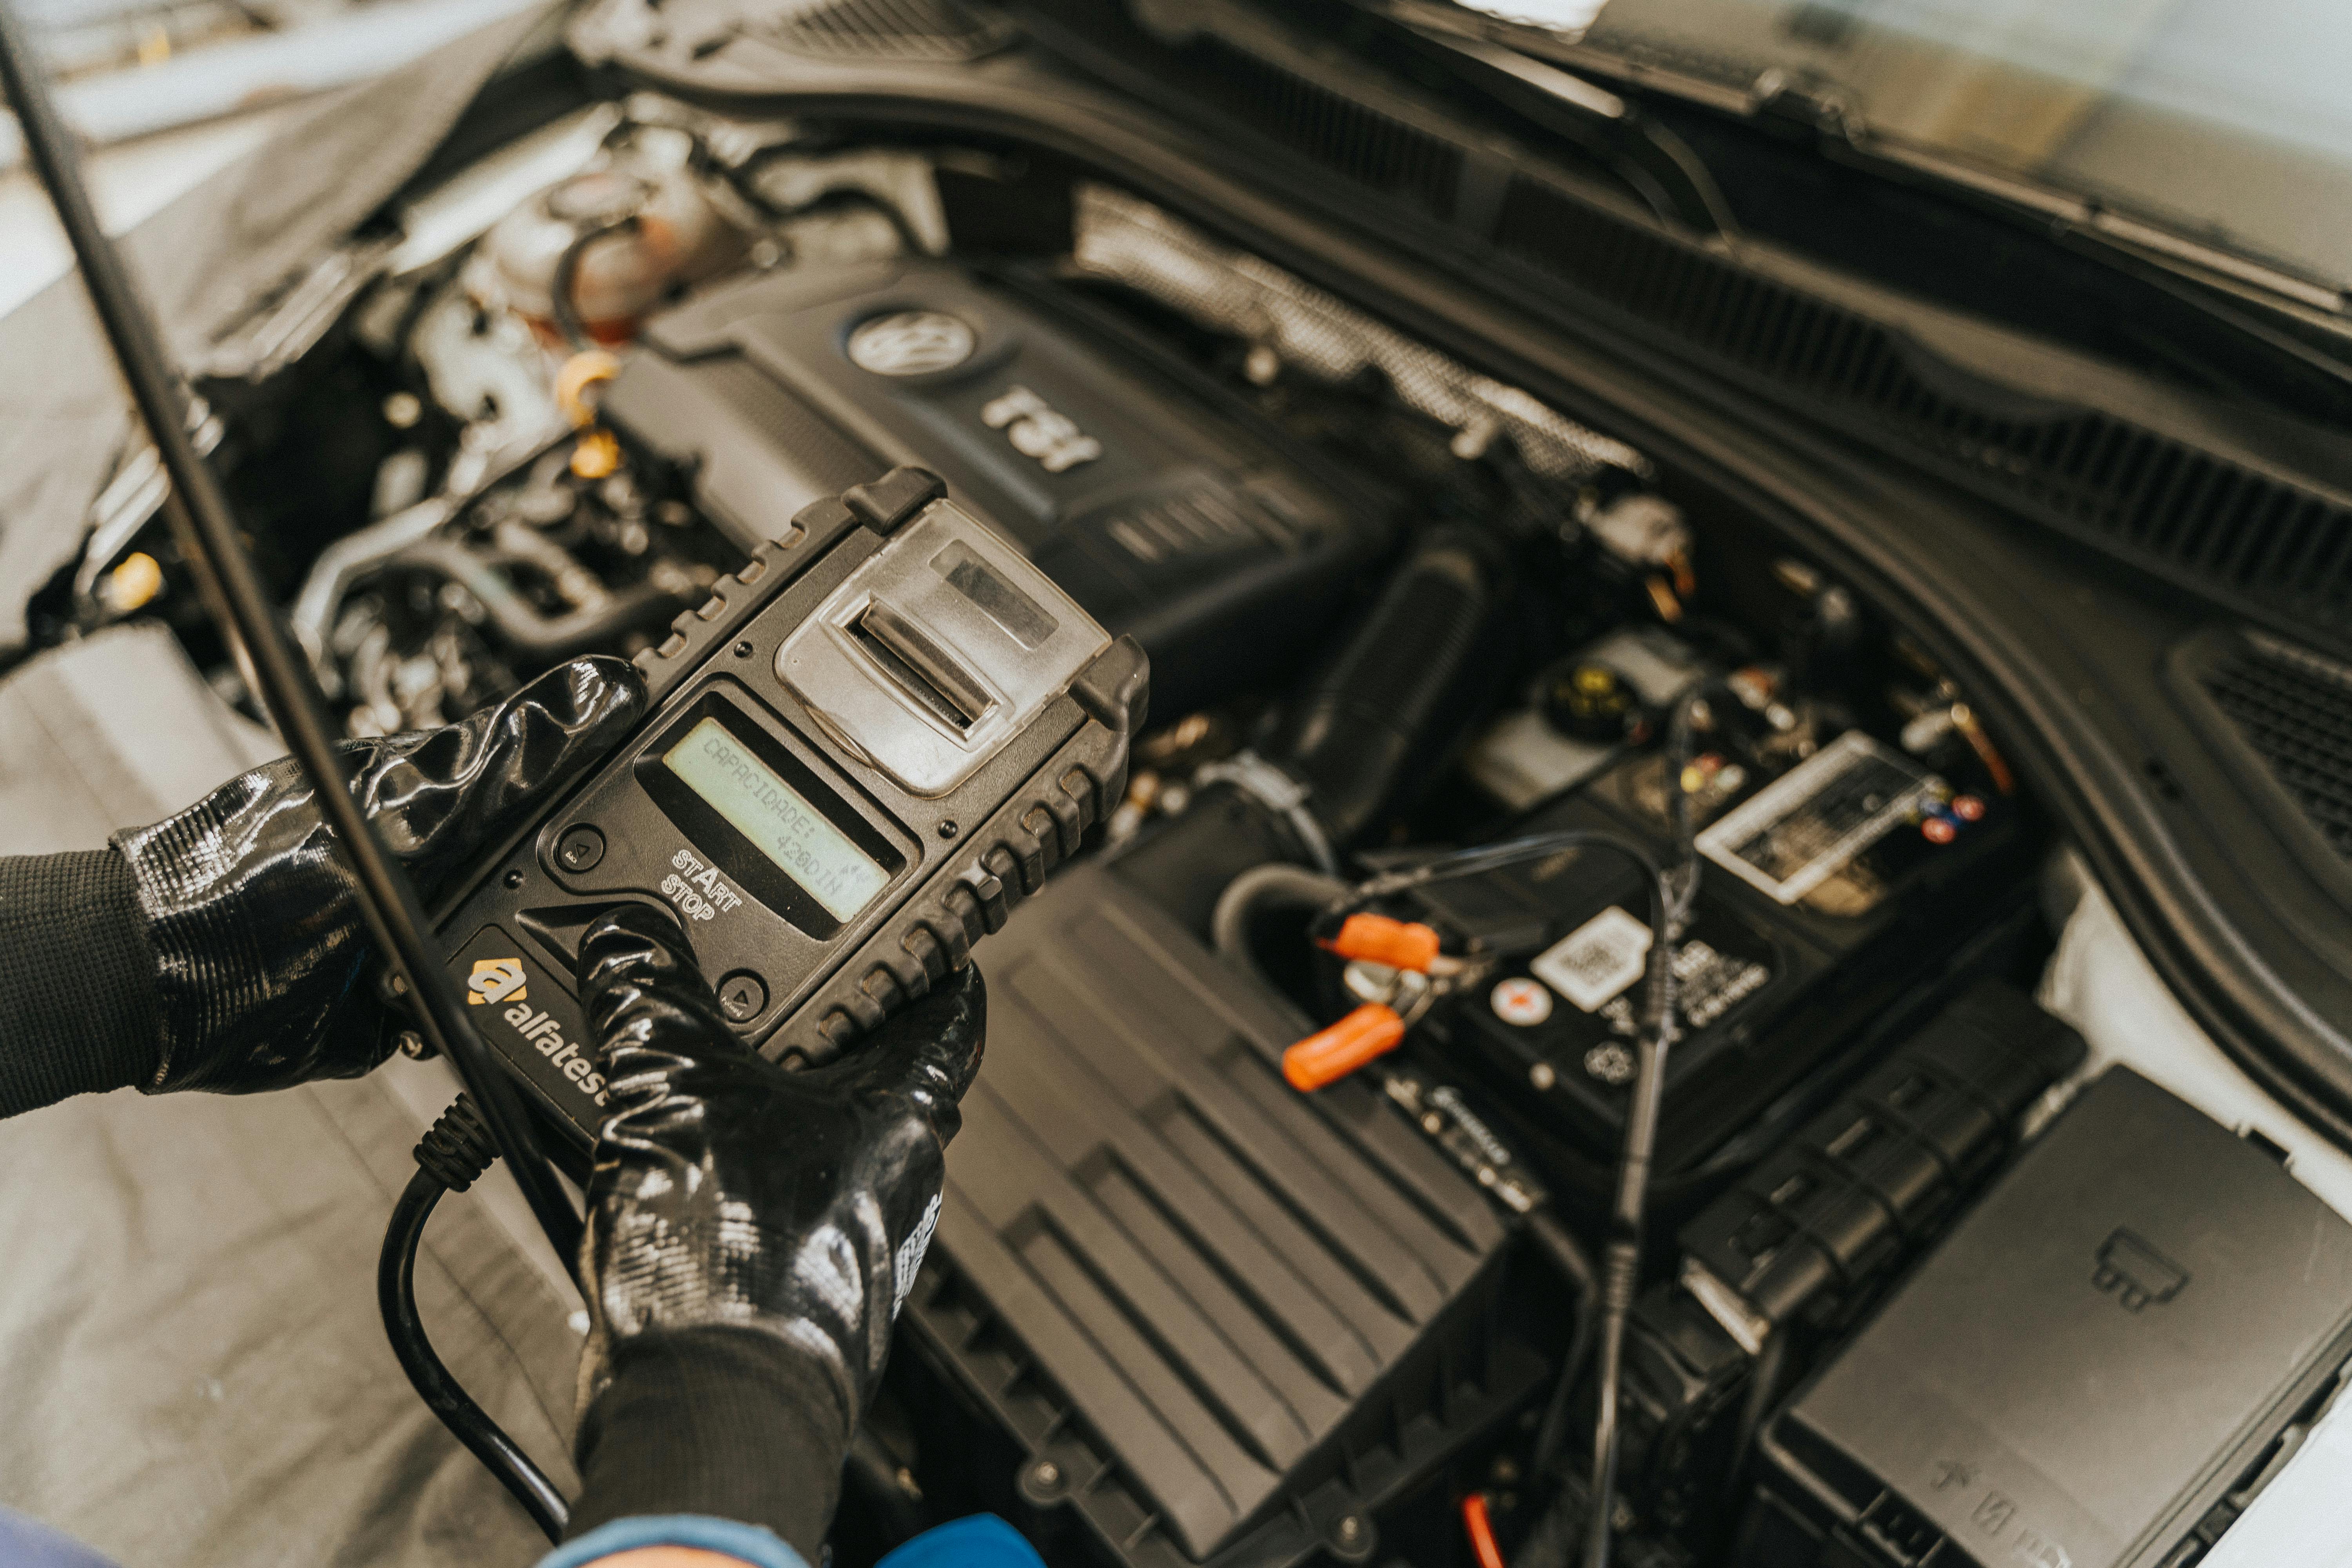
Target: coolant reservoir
(640,231)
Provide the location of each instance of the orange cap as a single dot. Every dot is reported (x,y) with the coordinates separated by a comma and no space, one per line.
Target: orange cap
(1399,944)
(1329,1055)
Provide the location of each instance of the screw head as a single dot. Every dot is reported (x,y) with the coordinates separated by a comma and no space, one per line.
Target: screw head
(1042,1483)
(741,996)
(743,648)
(413,1046)
(514,879)
(1350,1537)
(580,848)
(948,829)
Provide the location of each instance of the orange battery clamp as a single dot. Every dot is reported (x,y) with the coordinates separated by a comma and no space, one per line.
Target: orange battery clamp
(1329,1055)
(1399,944)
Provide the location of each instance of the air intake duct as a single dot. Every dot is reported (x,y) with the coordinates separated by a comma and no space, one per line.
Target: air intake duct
(1372,730)
(1361,742)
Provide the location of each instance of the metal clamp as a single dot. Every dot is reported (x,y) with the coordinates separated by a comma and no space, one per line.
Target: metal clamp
(1280,794)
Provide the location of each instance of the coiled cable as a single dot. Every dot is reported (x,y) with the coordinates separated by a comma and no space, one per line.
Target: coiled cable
(450,1158)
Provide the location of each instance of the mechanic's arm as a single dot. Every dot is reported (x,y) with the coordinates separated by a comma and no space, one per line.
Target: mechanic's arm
(221,949)
(751,1234)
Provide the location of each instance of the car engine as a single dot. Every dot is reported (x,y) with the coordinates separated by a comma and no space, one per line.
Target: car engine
(1180,1311)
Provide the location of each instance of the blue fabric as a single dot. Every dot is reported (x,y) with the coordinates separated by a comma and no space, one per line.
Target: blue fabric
(747,1543)
(983,1540)
(24,1544)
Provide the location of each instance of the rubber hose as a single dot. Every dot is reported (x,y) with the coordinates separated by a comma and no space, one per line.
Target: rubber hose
(1278,884)
(1373,729)
(641,606)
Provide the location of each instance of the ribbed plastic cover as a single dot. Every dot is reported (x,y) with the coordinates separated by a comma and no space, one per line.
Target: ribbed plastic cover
(1202,1294)
(2294,708)
(939,30)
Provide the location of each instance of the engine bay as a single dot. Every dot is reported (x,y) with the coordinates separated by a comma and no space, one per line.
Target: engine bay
(1202,1294)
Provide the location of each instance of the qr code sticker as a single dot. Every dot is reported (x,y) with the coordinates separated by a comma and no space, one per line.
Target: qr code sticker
(1597,959)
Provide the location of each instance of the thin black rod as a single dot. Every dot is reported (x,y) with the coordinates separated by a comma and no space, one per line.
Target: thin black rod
(395,1294)
(207,536)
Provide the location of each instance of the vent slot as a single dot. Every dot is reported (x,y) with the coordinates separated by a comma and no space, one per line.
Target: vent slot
(944,31)
(1352,139)
(926,671)
(2293,710)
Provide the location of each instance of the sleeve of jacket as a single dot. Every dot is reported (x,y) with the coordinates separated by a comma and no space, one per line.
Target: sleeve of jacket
(77,1005)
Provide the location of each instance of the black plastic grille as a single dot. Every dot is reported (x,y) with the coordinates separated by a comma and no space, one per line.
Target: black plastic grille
(1352,139)
(938,30)
(2212,524)
(2294,709)
(2256,541)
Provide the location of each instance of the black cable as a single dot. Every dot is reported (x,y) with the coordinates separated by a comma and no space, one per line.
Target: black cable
(1763,1384)
(1622,1258)
(566,279)
(449,1159)
(1483,857)
(1679,740)
(1569,1255)
(207,534)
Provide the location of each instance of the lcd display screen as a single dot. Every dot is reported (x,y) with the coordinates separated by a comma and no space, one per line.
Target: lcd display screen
(777,818)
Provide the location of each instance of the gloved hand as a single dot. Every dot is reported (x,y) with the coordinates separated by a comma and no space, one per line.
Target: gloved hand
(254,925)
(751,1234)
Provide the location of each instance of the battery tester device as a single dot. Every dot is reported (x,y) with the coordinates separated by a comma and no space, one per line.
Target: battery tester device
(869,744)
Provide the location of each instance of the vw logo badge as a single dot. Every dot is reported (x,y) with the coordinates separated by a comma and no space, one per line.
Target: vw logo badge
(910,343)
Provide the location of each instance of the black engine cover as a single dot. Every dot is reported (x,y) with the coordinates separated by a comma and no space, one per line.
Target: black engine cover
(1163,508)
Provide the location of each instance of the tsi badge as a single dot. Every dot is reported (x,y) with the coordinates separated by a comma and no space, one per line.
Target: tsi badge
(1037,430)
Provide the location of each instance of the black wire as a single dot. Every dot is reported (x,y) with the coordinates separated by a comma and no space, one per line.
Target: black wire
(1621,1259)
(1569,1255)
(1679,740)
(561,287)
(206,532)
(395,1290)
(1511,852)
(1763,1384)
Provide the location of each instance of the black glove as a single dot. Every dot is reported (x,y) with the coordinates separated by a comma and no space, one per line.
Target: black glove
(751,1234)
(255,926)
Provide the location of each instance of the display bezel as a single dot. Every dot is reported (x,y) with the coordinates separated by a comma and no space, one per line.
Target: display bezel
(728,848)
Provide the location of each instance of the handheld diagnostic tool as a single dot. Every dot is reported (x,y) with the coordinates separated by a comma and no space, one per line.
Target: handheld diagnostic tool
(869,744)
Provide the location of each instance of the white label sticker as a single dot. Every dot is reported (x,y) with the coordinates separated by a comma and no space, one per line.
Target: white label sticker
(1597,959)
(1802,829)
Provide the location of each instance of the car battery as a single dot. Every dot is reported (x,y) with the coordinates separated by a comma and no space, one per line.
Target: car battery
(1828,895)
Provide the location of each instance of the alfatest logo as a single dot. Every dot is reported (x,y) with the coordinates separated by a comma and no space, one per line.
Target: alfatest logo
(495,980)
(503,980)
(545,1035)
